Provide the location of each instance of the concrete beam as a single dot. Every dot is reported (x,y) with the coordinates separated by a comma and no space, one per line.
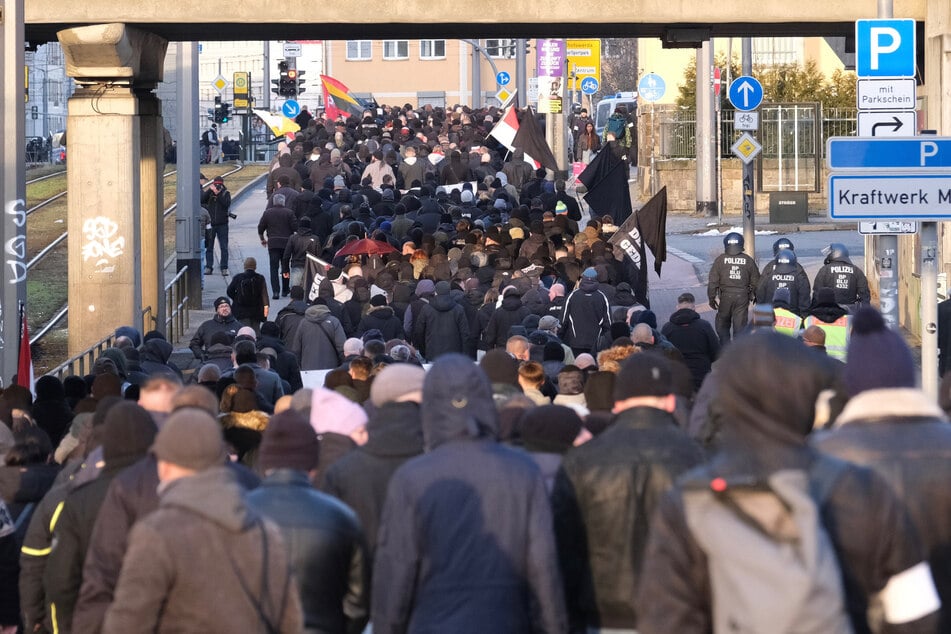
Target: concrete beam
(111,52)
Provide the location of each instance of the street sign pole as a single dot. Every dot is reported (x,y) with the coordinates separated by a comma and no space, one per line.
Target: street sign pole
(929,308)
(749,207)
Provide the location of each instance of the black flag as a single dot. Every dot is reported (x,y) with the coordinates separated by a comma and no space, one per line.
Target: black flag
(628,238)
(652,223)
(608,190)
(531,140)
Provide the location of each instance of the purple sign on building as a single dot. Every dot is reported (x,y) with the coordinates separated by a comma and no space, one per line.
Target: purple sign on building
(551,59)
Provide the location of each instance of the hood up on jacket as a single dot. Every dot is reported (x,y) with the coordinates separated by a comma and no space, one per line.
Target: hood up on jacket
(212,494)
(684,316)
(457,402)
(157,350)
(317,312)
(769,383)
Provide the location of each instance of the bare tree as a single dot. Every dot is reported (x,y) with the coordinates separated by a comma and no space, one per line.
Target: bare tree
(618,66)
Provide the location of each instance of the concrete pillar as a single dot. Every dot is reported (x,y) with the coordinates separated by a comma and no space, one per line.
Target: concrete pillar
(152,200)
(706,133)
(113,177)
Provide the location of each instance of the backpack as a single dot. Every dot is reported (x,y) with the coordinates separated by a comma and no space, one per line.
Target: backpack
(616,126)
(204,137)
(248,294)
(771,562)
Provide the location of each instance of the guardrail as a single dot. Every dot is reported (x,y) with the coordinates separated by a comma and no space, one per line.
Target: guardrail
(81,364)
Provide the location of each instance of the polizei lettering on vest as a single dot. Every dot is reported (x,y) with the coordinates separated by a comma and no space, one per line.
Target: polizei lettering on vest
(878,197)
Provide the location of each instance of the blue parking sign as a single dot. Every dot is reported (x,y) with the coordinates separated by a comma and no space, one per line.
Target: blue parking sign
(885,48)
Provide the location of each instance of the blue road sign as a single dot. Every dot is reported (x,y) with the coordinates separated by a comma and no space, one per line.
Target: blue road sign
(502,78)
(916,153)
(651,87)
(290,108)
(590,85)
(885,48)
(746,93)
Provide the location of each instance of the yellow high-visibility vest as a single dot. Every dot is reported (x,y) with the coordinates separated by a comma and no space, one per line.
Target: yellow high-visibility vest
(837,334)
(786,322)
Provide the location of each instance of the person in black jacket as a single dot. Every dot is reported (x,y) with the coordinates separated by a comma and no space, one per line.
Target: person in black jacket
(279,222)
(216,199)
(381,317)
(223,321)
(325,545)
(586,315)
(510,313)
(442,326)
(394,435)
(635,460)
(295,253)
(291,315)
(731,286)
(249,292)
(694,337)
(847,280)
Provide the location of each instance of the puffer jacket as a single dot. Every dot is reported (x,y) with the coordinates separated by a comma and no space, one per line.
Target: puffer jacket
(442,327)
(586,316)
(510,313)
(384,319)
(318,340)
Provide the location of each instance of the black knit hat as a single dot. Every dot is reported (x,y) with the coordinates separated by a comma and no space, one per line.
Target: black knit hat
(289,442)
(643,374)
(550,428)
(500,367)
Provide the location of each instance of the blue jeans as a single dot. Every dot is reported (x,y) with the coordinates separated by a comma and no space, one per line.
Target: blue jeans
(221,231)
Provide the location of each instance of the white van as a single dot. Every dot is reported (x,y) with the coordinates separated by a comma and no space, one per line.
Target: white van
(606,107)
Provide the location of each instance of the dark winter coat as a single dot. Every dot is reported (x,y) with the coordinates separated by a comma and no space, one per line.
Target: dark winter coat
(203,531)
(318,341)
(510,313)
(155,355)
(733,275)
(384,319)
(217,205)
(289,317)
(50,410)
(603,501)
(441,327)
(299,245)
(360,478)
(905,438)
(132,495)
(326,550)
(202,338)
(847,280)
(279,223)
(244,307)
(587,316)
(799,288)
(695,339)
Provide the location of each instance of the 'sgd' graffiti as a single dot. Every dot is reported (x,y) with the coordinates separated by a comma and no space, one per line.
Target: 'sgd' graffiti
(16,246)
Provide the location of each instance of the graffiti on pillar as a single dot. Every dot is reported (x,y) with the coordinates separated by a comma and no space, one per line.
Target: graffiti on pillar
(748,197)
(16,246)
(102,244)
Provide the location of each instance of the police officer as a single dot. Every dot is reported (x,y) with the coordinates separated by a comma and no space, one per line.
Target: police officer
(847,280)
(802,278)
(784,271)
(733,278)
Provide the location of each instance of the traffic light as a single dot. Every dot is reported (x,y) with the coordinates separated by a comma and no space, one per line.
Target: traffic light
(300,81)
(225,112)
(218,111)
(528,47)
(290,85)
(511,49)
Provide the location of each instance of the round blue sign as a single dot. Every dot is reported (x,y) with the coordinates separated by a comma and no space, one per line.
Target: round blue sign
(290,108)
(746,93)
(590,85)
(502,78)
(651,87)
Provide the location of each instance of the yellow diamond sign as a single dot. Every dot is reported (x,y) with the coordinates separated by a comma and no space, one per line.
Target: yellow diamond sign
(219,83)
(746,147)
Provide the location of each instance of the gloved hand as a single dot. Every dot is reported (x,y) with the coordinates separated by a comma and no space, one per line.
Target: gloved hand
(713,304)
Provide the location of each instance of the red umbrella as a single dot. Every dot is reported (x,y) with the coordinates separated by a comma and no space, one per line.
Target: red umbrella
(366,246)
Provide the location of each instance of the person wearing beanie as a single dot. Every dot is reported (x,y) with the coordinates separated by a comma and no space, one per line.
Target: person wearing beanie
(248,291)
(179,572)
(340,424)
(502,370)
(768,386)
(547,432)
(394,436)
(127,434)
(382,318)
(834,319)
(638,456)
(463,491)
(324,541)
(223,321)
(442,326)
(694,337)
(302,242)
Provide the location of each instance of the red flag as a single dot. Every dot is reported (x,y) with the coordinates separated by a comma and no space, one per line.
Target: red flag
(338,102)
(25,361)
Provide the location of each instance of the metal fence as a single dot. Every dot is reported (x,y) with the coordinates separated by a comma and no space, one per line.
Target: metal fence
(784,128)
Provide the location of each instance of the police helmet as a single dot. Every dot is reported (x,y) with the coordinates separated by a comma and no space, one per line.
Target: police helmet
(837,251)
(733,243)
(782,243)
(785,256)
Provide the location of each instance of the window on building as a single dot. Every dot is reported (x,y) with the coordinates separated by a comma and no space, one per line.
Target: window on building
(359,49)
(396,49)
(504,49)
(432,49)
(777,51)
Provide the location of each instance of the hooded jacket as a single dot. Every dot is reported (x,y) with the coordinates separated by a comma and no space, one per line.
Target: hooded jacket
(695,339)
(202,338)
(767,392)
(586,316)
(384,319)
(289,317)
(155,356)
(318,341)
(465,544)
(510,313)
(441,327)
(203,531)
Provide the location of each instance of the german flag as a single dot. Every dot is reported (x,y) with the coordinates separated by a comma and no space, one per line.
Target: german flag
(338,102)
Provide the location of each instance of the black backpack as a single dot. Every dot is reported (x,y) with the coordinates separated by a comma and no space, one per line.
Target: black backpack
(248,292)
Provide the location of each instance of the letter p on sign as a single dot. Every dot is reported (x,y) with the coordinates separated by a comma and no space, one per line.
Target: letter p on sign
(885,48)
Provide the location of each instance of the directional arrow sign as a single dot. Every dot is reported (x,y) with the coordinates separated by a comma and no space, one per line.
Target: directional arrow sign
(852,153)
(746,93)
(503,78)
(888,123)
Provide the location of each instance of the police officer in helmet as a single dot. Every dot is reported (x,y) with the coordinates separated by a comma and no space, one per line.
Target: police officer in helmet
(844,278)
(784,271)
(731,286)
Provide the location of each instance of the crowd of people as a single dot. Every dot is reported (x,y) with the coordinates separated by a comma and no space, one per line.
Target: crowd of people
(504,438)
